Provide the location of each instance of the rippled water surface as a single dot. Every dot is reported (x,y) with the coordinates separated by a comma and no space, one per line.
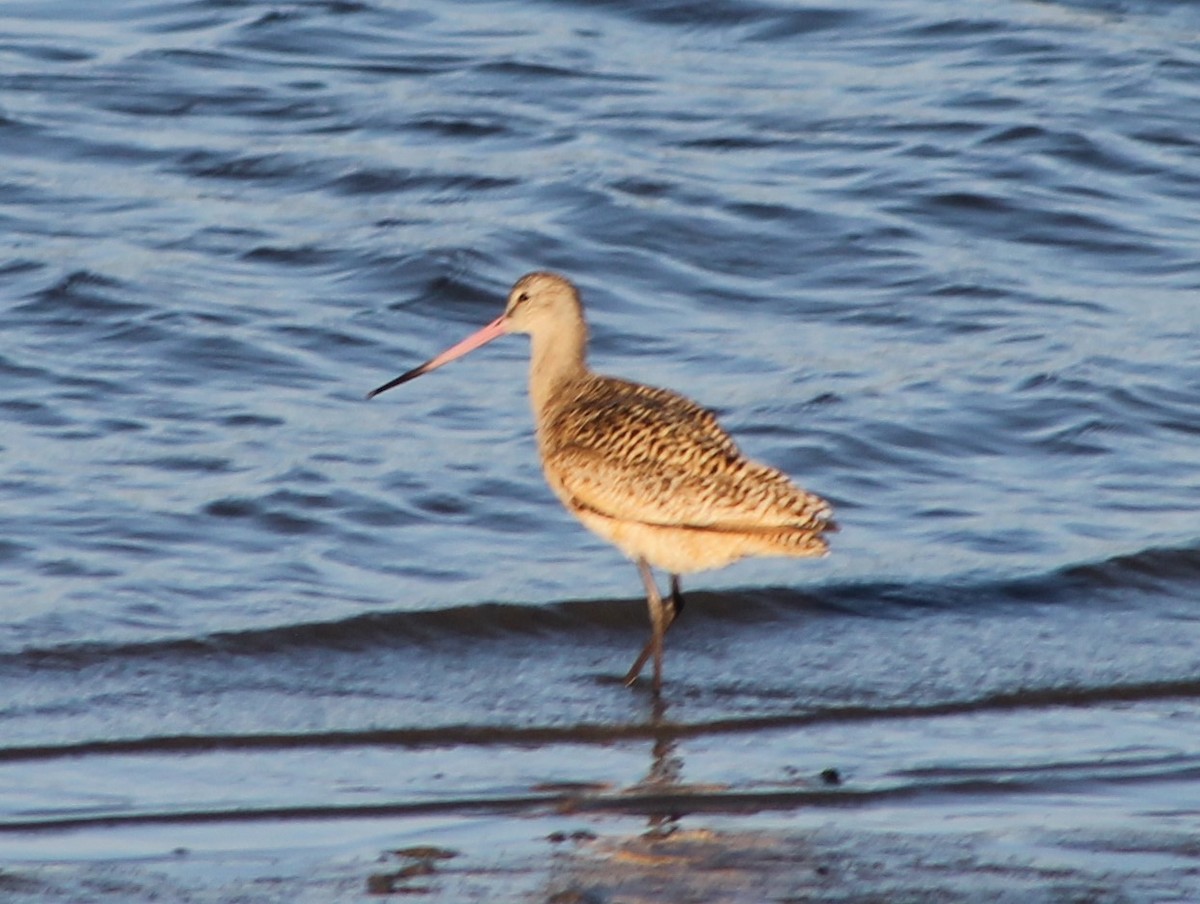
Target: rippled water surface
(938,261)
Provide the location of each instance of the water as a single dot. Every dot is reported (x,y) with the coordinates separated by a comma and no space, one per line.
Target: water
(937,261)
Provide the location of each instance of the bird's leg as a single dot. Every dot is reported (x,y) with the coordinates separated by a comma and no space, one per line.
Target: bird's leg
(657,626)
(676,600)
(677,604)
(672,614)
(664,615)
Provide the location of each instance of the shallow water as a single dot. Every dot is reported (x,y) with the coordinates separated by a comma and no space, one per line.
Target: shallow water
(937,261)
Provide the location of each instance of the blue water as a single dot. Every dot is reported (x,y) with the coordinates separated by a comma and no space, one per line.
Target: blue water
(937,261)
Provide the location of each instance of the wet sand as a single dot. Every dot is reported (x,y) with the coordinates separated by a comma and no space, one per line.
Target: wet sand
(1050,806)
(1102,844)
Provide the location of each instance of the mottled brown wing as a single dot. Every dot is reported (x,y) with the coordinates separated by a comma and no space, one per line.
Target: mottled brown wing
(641,454)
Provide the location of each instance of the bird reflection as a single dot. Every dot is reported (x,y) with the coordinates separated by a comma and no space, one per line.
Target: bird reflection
(666,772)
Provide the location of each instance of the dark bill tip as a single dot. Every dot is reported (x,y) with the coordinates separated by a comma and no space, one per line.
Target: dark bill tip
(403,378)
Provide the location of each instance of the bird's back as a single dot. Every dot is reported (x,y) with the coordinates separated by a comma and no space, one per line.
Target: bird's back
(624,452)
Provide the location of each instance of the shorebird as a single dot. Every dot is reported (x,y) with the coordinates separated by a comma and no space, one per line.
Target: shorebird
(646,469)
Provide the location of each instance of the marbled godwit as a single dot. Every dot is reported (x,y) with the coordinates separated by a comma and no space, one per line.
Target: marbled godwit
(646,469)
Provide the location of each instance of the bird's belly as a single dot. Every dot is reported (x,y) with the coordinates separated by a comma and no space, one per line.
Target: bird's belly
(673,549)
(685,550)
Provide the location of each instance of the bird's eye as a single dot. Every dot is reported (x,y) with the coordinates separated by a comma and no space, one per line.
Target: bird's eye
(524,296)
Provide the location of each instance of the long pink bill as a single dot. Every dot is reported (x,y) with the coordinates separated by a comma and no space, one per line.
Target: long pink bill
(492,331)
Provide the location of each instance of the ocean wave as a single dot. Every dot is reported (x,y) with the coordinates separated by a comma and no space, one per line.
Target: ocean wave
(1156,572)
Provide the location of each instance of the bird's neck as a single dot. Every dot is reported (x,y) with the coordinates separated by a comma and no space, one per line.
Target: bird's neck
(558,357)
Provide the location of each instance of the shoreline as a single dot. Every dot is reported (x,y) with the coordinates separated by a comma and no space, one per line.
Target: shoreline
(957,846)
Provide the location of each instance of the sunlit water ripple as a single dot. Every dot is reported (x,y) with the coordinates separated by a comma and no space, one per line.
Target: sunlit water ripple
(937,261)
